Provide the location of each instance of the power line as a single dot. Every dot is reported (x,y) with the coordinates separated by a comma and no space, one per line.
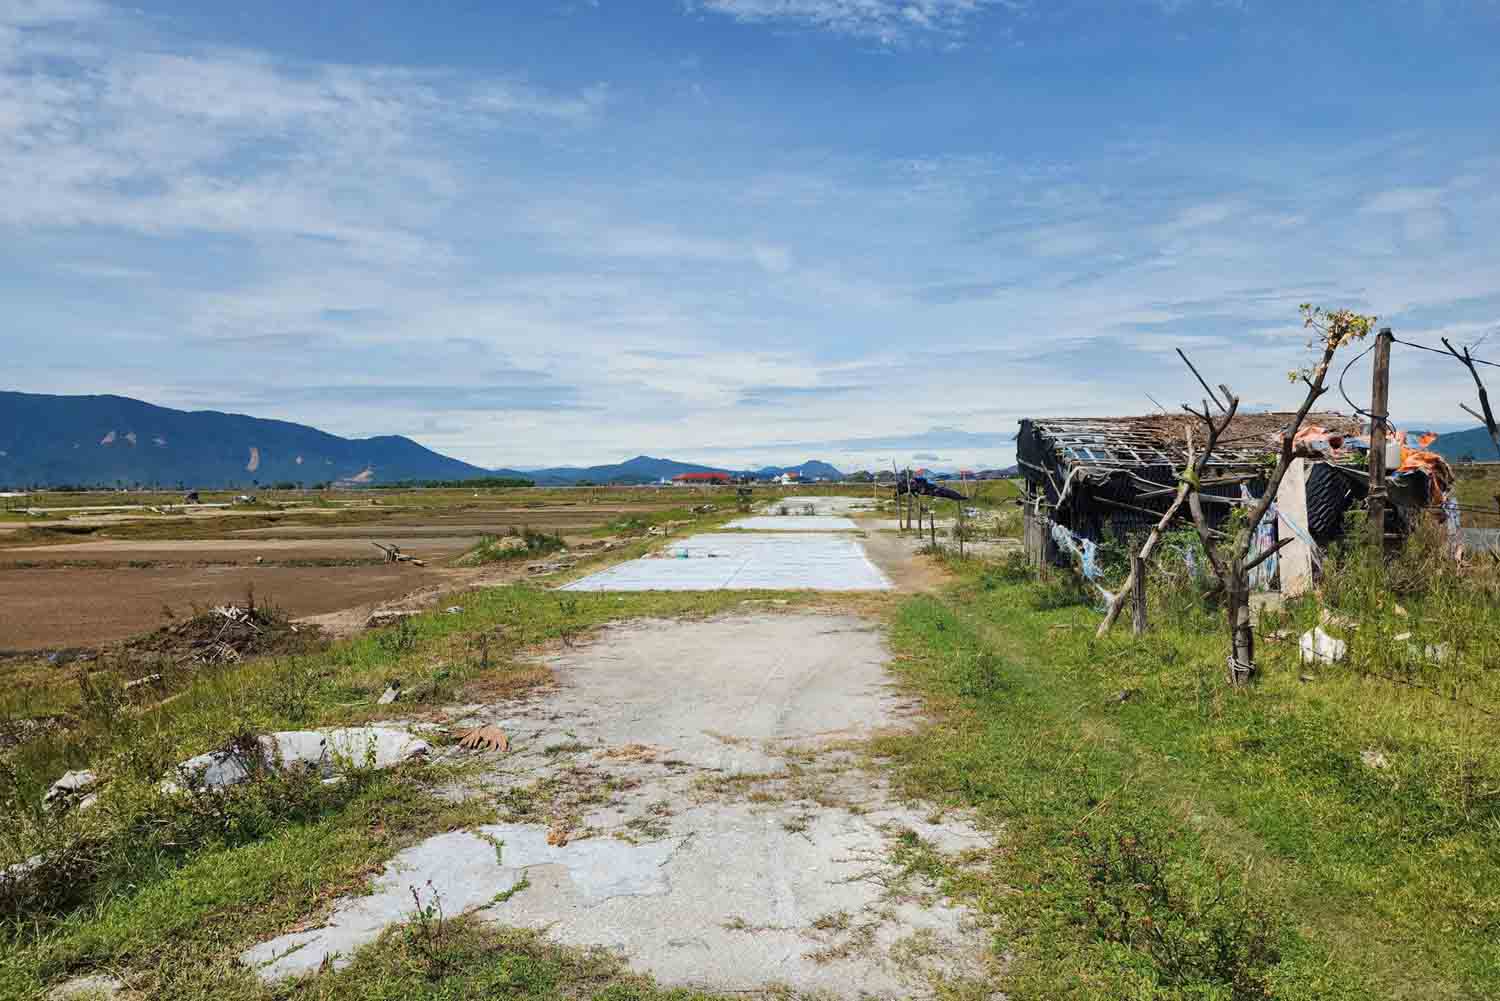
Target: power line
(1352,406)
(1443,351)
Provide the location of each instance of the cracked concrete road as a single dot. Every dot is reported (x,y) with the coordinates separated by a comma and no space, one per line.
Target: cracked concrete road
(691,794)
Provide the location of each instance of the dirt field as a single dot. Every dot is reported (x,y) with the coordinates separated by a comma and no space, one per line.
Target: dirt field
(74,606)
(240,550)
(93,577)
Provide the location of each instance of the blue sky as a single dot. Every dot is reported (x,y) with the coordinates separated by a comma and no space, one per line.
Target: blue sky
(738,231)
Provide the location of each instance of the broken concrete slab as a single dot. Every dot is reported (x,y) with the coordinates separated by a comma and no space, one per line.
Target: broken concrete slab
(75,788)
(466,871)
(93,987)
(759,561)
(325,753)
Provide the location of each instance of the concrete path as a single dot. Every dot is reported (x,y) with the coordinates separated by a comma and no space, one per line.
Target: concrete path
(691,795)
(759,561)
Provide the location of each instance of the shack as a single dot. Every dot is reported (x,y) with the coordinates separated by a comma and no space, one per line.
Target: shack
(1107,478)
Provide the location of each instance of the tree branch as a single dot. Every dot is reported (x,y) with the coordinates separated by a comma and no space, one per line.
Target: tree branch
(1200,379)
(1484,398)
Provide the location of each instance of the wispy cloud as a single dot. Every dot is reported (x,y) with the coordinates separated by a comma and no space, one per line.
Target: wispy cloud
(159,137)
(886,21)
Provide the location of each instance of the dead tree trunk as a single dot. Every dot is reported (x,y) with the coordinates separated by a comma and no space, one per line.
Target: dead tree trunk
(1487,415)
(1241,627)
(1232,564)
(1118,601)
(1137,594)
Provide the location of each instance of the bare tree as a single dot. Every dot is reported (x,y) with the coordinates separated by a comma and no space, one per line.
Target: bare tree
(1230,558)
(1487,415)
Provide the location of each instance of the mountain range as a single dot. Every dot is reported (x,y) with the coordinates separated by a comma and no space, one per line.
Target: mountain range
(113,440)
(646,469)
(1472,444)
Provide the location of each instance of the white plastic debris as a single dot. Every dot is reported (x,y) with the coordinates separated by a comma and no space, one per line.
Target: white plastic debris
(1320,648)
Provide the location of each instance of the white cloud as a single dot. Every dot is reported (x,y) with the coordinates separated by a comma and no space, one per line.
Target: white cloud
(886,21)
(1398,200)
(157,137)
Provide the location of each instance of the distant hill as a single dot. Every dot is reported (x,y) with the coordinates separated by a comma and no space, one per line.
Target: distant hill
(1471,444)
(641,469)
(648,469)
(92,440)
(812,469)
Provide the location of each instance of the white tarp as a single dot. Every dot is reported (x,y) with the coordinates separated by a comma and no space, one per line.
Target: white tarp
(794,523)
(721,561)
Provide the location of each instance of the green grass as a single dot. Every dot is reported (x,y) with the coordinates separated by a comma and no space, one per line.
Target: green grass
(639,522)
(167,890)
(517,544)
(170,914)
(1171,838)
(1478,488)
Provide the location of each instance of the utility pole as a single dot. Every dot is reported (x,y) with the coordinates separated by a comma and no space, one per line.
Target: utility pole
(1380,396)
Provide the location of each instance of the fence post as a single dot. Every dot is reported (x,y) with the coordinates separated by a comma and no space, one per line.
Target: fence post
(960,527)
(1380,393)
(1137,594)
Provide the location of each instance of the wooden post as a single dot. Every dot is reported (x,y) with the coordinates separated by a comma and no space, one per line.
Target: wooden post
(932,524)
(1380,395)
(1137,593)
(960,527)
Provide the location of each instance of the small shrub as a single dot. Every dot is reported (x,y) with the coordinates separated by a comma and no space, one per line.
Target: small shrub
(1013,568)
(979,673)
(516,544)
(293,690)
(399,638)
(1058,590)
(1194,939)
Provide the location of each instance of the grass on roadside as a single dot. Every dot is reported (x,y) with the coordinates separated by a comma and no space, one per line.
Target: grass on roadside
(1170,838)
(121,882)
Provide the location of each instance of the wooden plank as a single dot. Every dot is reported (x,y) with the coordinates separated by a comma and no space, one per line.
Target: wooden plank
(1296,559)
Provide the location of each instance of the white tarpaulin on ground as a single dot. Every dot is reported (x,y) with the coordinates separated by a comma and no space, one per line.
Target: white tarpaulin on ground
(794,523)
(715,562)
